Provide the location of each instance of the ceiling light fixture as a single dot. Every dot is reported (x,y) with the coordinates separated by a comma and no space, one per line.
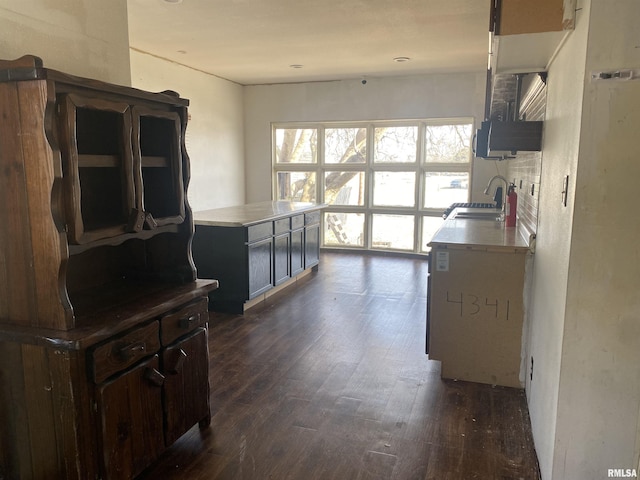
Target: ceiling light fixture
(401,59)
(173,1)
(296,65)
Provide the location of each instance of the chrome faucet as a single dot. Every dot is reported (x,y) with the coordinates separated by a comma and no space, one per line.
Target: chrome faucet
(504,193)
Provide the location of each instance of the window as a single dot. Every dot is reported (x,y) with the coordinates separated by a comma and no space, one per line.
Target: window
(386,184)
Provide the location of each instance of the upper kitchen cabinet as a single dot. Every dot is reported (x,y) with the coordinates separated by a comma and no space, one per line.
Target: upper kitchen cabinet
(525,34)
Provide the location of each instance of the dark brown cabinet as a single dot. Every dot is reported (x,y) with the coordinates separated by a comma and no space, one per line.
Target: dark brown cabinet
(103,323)
(131,424)
(99,186)
(119,177)
(156,140)
(152,386)
(186,385)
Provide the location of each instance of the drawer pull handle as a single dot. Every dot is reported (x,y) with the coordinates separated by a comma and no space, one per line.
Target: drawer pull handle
(154,377)
(178,360)
(127,352)
(189,322)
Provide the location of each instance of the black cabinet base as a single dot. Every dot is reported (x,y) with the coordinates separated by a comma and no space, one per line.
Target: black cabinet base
(239,306)
(226,306)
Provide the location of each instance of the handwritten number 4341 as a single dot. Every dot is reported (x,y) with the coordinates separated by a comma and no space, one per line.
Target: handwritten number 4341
(471,304)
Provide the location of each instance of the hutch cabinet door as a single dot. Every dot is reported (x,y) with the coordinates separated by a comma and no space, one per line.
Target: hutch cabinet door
(98,168)
(157,149)
(131,423)
(186,387)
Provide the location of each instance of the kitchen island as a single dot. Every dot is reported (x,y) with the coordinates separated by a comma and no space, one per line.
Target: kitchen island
(476,309)
(256,249)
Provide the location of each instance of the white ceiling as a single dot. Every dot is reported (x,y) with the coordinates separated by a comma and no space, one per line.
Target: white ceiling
(255,41)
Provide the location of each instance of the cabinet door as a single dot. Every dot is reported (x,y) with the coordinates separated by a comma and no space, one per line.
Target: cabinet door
(297,251)
(186,387)
(131,423)
(157,150)
(98,168)
(311,246)
(260,256)
(281,266)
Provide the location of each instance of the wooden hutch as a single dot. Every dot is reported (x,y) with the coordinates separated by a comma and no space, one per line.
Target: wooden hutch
(103,324)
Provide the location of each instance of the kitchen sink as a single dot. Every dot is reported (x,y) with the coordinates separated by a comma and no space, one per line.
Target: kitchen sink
(478,215)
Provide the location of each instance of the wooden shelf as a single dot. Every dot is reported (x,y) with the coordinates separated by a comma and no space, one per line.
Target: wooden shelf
(120,239)
(93,161)
(148,161)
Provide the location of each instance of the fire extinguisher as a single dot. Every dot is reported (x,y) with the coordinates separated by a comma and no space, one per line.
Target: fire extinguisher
(511,207)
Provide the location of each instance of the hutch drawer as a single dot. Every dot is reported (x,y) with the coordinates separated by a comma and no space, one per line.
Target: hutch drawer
(177,324)
(120,353)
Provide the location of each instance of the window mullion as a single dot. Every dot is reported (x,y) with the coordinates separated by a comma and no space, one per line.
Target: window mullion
(437,174)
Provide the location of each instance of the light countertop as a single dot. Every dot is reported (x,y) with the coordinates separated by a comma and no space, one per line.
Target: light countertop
(252,213)
(480,234)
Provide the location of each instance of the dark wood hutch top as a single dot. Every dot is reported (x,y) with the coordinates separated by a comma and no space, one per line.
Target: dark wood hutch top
(75,262)
(30,67)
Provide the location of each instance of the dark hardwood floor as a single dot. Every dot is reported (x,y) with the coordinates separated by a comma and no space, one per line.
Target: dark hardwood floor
(329,380)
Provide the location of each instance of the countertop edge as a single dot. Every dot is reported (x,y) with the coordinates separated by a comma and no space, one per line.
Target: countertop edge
(297,208)
(472,234)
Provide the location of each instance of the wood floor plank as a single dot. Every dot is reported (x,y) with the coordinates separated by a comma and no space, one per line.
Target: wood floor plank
(329,380)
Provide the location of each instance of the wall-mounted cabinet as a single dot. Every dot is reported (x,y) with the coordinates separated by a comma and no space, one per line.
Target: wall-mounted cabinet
(103,323)
(526,34)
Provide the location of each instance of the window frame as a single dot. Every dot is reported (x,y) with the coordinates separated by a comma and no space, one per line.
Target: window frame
(420,168)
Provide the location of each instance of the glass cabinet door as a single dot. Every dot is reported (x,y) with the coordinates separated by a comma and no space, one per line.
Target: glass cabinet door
(98,168)
(157,150)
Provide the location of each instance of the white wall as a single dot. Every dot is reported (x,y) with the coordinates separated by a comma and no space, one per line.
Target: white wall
(214,132)
(88,38)
(599,394)
(584,399)
(435,96)
(553,243)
